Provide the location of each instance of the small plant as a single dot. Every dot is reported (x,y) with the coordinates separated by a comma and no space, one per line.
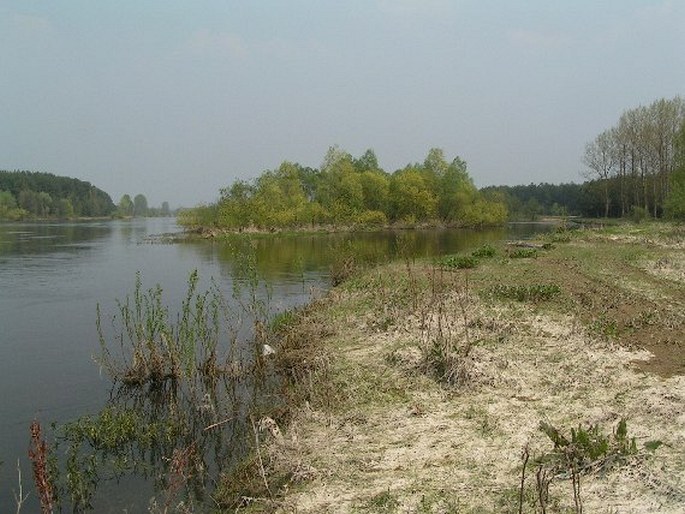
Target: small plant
(446,343)
(460,261)
(523,253)
(521,293)
(485,251)
(605,326)
(154,348)
(39,455)
(585,450)
(638,214)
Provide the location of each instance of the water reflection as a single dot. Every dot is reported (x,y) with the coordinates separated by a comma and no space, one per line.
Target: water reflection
(42,238)
(179,437)
(292,256)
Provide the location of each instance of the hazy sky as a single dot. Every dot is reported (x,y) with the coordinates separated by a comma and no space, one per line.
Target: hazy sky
(177,99)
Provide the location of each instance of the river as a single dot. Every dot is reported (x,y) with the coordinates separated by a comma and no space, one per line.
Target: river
(53,275)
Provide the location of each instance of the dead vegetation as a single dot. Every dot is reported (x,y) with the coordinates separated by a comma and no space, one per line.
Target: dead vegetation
(416,390)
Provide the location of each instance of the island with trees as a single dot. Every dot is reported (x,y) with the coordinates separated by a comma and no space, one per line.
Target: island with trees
(347,191)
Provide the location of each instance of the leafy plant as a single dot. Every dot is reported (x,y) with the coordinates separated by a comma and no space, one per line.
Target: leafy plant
(484,251)
(585,450)
(154,348)
(460,261)
(523,253)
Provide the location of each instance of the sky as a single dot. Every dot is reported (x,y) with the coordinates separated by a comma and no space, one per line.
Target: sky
(177,99)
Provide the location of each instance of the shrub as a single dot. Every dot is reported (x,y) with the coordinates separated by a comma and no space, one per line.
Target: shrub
(587,448)
(459,261)
(523,253)
(638,214)
(372,218)
(484,251)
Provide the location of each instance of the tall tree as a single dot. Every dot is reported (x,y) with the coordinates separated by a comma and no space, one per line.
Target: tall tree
(675,201)
(600,158)
(140,208)
(125,207)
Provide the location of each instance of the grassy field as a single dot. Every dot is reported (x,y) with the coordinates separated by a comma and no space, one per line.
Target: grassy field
(454,386)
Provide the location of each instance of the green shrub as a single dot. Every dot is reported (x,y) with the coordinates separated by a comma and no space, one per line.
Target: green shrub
(587,448)
(523,253)
(459,261)
(372,218)
(484,251)
(638,214)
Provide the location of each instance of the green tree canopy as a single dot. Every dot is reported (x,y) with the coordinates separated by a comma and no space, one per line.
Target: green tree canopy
(140,207)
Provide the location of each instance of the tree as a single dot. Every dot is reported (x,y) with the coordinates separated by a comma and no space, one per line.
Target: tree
(435,162)
(8,207)
(600,159)
(165,211)
(340,190)
(675,201)
(375,189)
(456,191)
(125,207)
(367,162)
(64,209)
(411,197)
(140,208)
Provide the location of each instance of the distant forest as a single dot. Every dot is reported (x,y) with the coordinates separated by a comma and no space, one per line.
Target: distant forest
(25,194)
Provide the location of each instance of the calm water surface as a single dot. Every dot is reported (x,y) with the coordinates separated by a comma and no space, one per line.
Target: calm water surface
(52,276)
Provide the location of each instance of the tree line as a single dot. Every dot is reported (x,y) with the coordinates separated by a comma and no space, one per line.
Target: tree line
(25,194)
(634,169)
(346,190)
(633,163)
(138,208)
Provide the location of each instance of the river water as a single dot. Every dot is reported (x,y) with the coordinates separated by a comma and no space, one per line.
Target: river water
(53,275)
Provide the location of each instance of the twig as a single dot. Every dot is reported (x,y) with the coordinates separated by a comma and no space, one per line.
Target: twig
(259,458)
(543,488)
(20,498)
(576,490)
(217,424)
(525,456)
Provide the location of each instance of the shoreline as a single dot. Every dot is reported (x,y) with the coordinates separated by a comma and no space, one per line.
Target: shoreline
(380,421)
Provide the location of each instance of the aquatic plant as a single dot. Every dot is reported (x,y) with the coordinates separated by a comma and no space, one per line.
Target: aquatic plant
(183,388)
(153,347)
(43,479)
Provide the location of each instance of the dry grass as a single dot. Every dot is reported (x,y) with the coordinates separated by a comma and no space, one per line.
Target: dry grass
(377,433)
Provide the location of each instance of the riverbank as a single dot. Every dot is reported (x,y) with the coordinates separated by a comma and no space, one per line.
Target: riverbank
(421,387)
(213,232)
